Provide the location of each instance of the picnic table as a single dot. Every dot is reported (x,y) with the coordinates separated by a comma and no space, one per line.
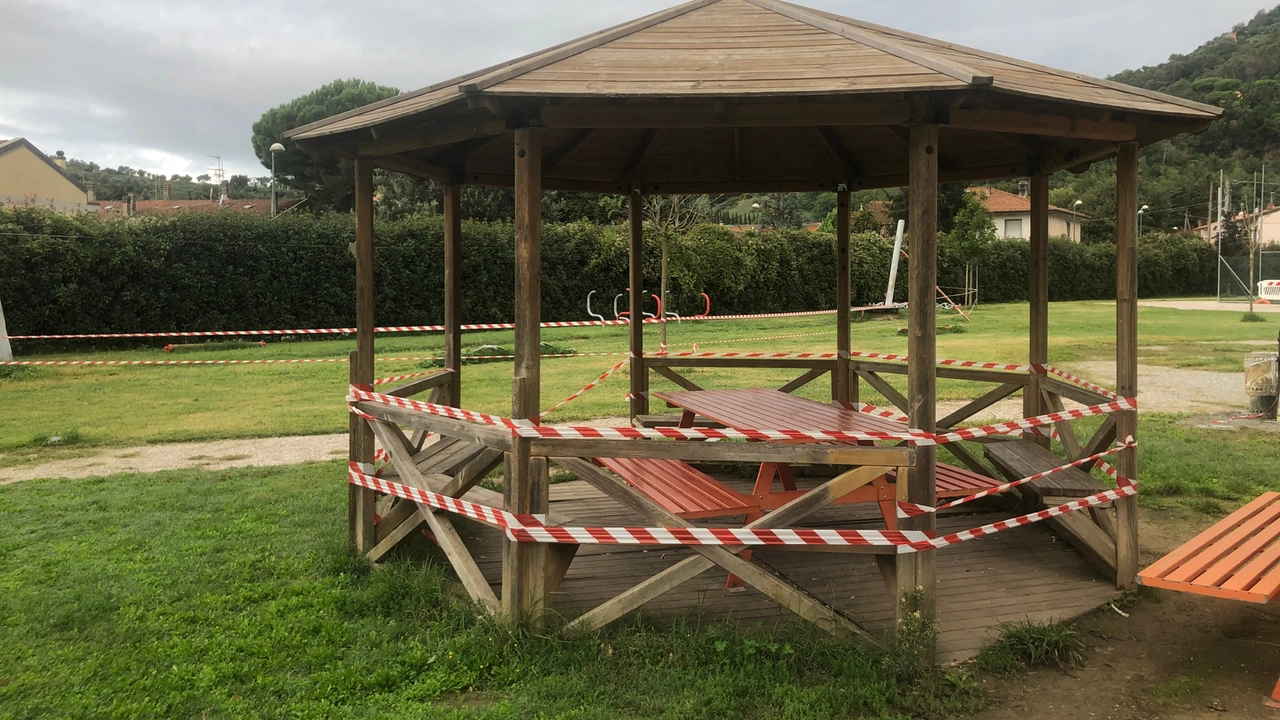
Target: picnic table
(769,409)
(1238,558)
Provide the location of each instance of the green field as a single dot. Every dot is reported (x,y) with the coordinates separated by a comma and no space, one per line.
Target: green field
(229,594)
(135,405)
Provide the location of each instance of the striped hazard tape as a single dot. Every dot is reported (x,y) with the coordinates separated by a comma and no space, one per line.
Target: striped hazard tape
(1012,426)
(532,528)
(1048,370)
(395,328)
(526,428)
(604,376)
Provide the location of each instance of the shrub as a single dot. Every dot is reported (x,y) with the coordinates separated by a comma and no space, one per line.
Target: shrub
(226,271)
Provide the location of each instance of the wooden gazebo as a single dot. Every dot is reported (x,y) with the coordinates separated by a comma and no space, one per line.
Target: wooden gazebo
(742,96)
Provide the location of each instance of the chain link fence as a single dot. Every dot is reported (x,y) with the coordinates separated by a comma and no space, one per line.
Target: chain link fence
(1235,281)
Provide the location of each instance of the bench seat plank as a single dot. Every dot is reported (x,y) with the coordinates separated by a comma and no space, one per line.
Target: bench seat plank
(1237,558)
(680,488)
(955,481)
(1021,458)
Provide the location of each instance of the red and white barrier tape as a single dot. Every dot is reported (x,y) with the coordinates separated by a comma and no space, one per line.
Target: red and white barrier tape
(532,529)
(604,376)
(769,337)
(360,474)
(1127,444)
(68,363)
(1125,490)
(391,328)
(1047,370)
(1118,405)
(525,428)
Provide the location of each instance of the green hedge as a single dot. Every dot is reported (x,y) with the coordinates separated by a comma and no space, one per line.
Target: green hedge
(226,271)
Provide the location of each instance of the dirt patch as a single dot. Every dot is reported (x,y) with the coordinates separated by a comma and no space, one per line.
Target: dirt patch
(1160,389)
(216,455)
(1174,656)
(1239,307)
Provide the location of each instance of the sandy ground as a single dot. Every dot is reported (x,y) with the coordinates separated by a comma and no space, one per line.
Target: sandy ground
(1174,656)
(1240,307)
(1161,389)
(215,455)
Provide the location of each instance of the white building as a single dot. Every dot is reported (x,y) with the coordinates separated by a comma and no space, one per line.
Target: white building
(1011,215)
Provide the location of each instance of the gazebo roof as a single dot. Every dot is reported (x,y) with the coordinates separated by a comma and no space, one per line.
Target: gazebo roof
(724,95)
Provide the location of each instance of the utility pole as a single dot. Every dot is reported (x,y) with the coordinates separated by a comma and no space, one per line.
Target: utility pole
(1220,174)
(6,350)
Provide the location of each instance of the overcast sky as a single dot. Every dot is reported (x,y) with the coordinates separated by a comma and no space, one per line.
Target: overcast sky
(161,85)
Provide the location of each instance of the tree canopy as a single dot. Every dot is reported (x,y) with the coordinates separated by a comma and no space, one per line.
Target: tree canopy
(327,179)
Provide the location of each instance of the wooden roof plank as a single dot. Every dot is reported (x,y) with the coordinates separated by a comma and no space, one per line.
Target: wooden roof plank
(581,45)
(952,69)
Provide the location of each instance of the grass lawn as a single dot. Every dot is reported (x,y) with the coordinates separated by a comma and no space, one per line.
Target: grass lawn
(229,594)
(135,405)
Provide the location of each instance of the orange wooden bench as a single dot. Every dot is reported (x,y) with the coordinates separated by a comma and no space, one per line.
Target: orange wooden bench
(952,482)
(1238,558)
(684,490)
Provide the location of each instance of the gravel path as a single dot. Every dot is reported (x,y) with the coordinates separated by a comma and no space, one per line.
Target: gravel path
(1161,390)
(1240,307)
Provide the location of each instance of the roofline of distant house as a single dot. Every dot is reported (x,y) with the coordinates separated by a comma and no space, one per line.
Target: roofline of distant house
(18,142)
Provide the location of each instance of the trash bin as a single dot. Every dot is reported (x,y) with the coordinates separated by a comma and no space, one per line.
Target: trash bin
(1260,383)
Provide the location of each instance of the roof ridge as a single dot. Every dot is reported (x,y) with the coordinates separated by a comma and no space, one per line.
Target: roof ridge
(1109,84)
(567,50)
(958,71)
(463,81)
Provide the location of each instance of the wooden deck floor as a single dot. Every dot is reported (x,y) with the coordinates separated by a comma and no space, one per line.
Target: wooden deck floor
(1024,573)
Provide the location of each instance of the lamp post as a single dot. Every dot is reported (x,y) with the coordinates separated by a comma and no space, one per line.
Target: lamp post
(1141,210)
(759,222)
(275,148)
(1075,219)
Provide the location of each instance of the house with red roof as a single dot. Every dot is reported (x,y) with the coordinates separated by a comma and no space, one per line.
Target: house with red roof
(1011,214)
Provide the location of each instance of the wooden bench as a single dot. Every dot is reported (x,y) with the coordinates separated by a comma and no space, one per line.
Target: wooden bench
(1023,458)
(1238,558)
(685,491)
(1093,533)
(682,489)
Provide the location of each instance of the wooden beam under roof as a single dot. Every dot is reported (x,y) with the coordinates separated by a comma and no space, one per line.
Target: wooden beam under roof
(1025,123)
(645,152)
(434,135)
(553,160)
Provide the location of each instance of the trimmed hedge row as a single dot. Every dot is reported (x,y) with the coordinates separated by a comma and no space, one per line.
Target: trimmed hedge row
(227,271)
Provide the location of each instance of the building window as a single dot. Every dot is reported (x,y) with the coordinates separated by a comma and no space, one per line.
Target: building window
(1013,228)
(1070,235)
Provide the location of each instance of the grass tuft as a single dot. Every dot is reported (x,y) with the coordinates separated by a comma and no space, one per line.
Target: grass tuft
(57,439)
(1026,644)
(1253,317)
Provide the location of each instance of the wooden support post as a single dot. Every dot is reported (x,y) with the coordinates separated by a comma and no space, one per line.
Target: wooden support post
(915,571)
(453,291)
(639,373)
(1127,354)
(843,299)
(525,490)
(361,501)
(1038,270)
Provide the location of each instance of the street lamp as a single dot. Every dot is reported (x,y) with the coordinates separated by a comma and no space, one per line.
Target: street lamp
(275,148)
(759,222)
(1141,210)
(1075,219)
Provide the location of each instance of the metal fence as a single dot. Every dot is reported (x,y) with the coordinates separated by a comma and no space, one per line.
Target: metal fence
(1237,282)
